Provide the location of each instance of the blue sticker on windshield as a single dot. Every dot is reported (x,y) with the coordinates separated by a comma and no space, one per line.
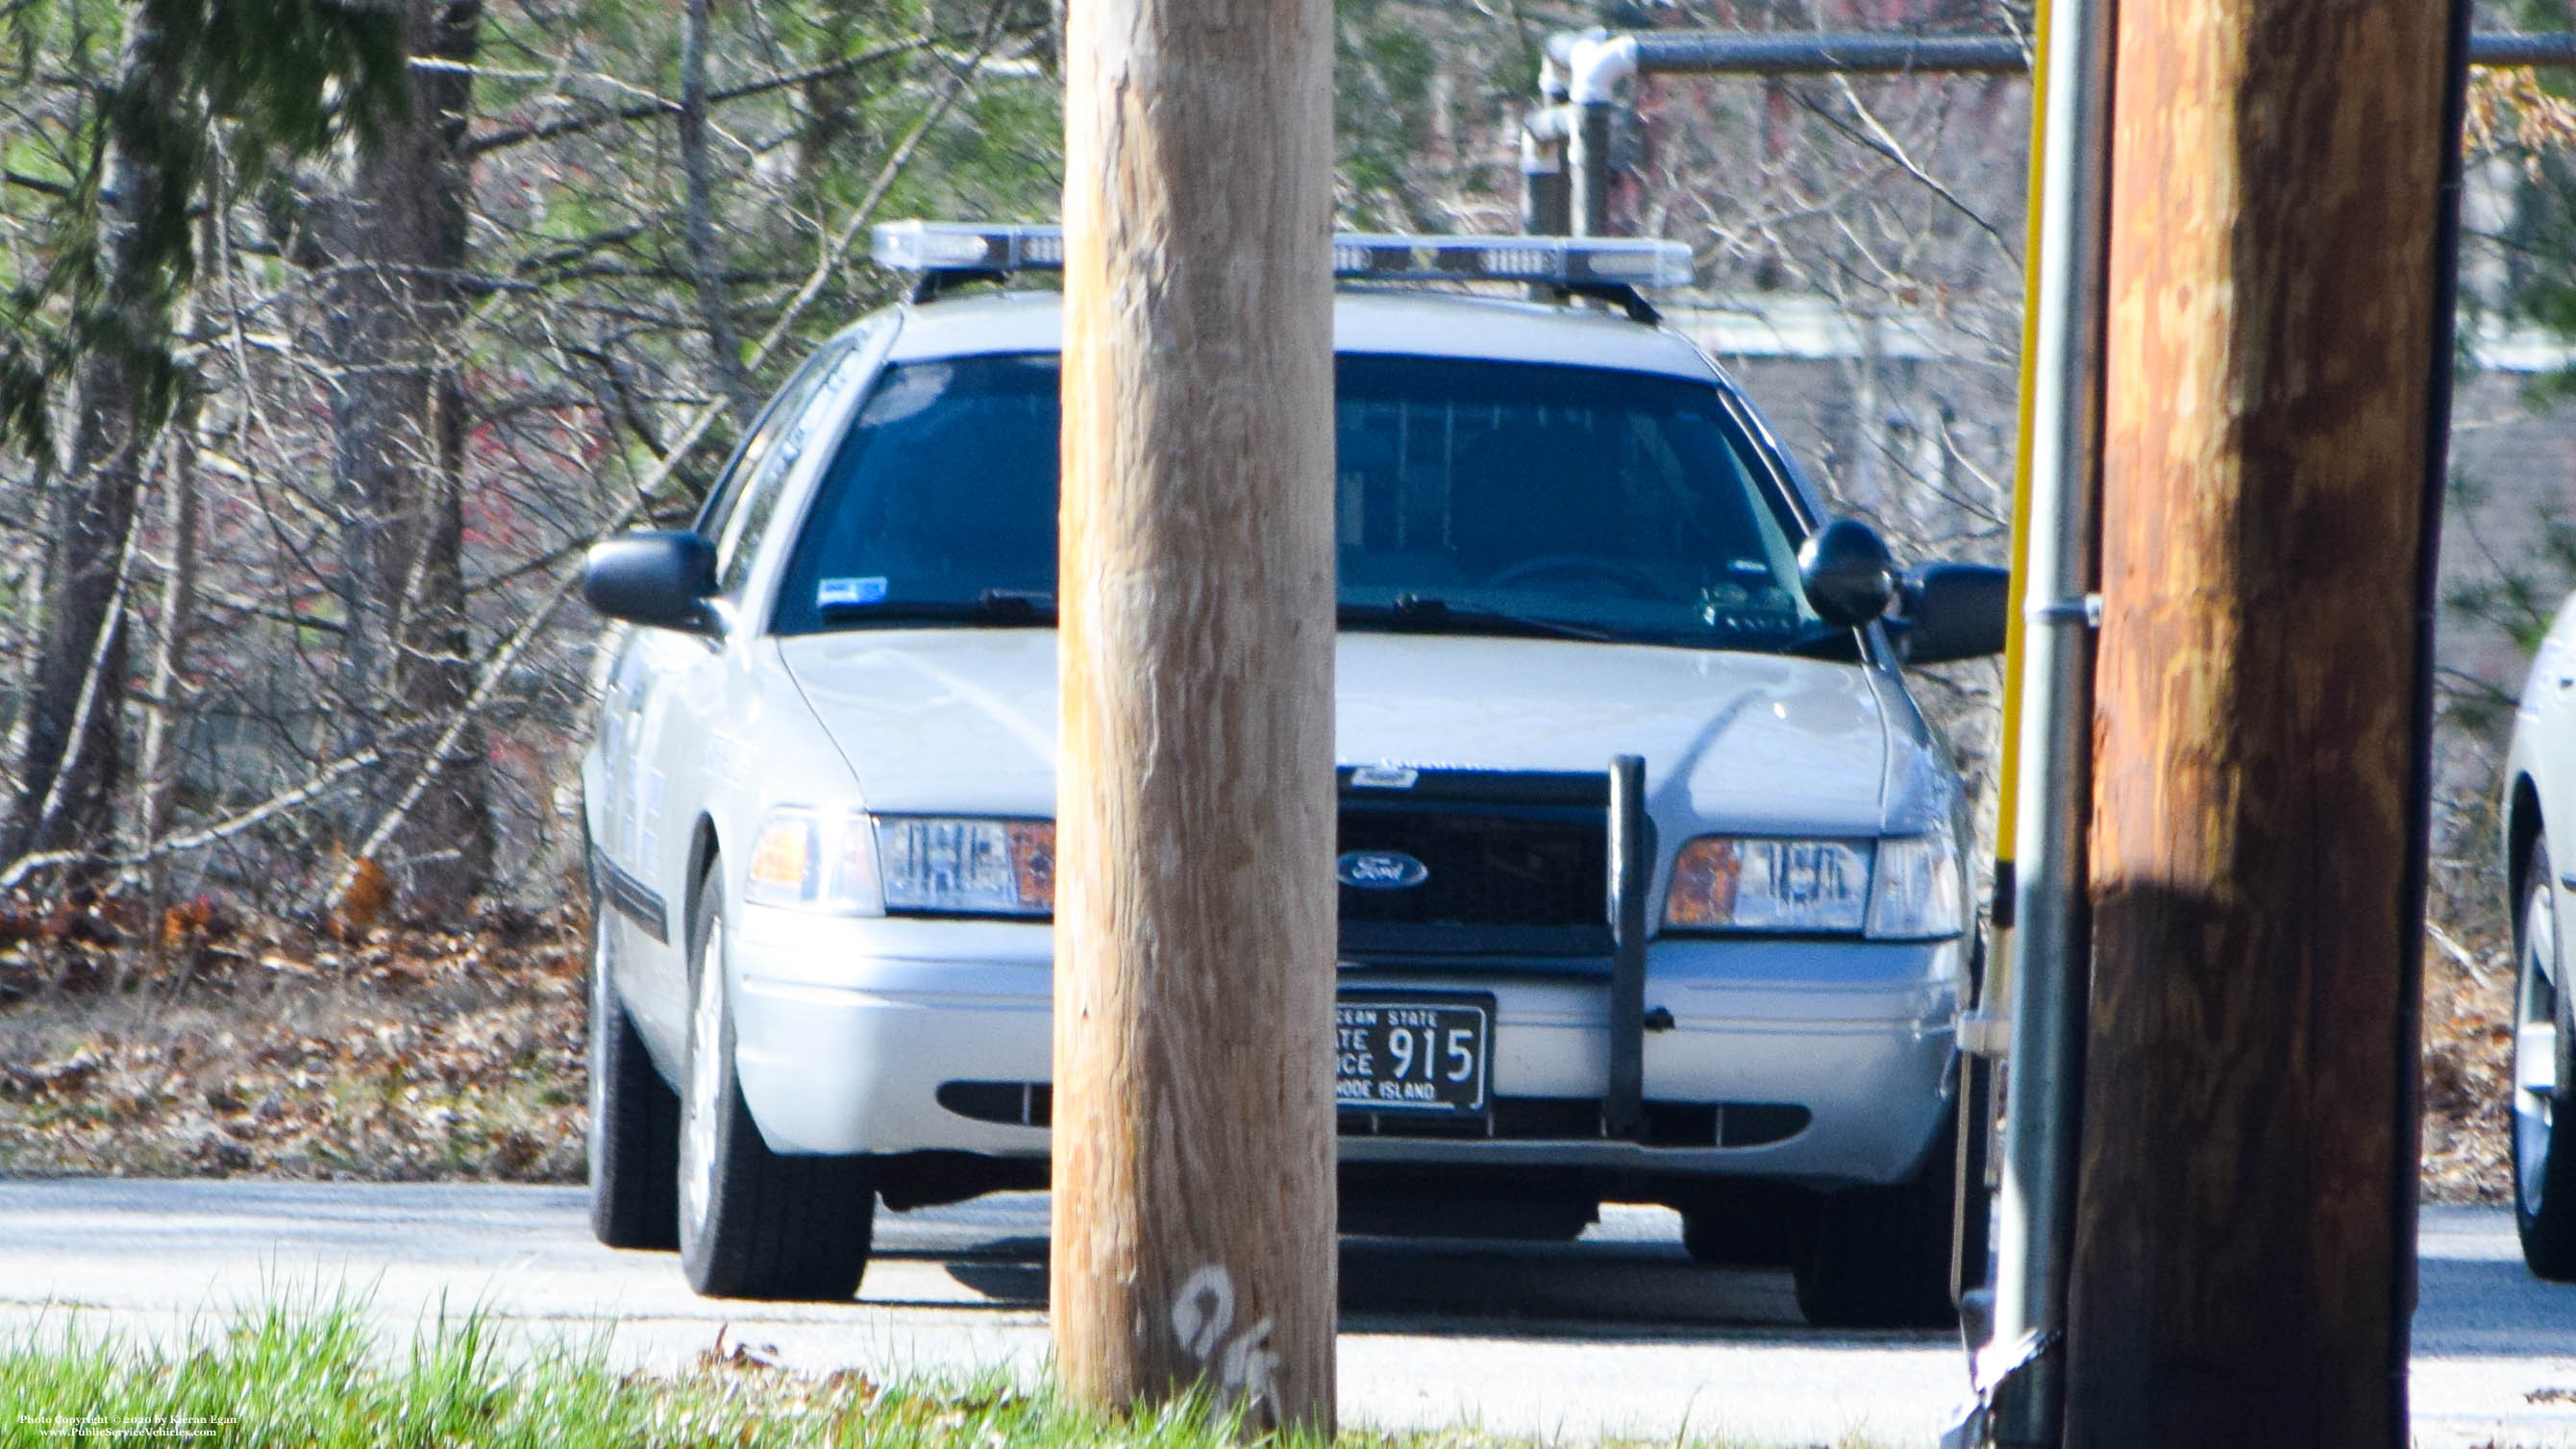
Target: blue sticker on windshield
(849,591)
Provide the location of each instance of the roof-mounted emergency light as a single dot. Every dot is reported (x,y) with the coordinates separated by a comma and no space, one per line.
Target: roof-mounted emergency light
(1577,264)
(1564,261)
(967,246)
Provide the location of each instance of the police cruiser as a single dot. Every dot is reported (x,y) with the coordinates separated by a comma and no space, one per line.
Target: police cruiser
(1652,873)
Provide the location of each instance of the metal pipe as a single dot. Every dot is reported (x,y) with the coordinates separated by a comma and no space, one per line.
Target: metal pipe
(1547,196)
(1588,159)
(1984,1030)
(2021,1367)
(1595,66)
(1897,53)
(1586,68)
(1790,53)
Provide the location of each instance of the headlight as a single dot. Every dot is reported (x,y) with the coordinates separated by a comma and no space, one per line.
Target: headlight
(1745,883)
(802,859)
(1905,888)
(1917,896)
(968,867)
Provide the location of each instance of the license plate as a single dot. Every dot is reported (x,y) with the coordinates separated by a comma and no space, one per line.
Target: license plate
(1410,1051)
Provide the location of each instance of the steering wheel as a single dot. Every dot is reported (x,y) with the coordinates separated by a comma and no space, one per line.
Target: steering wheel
(1637,582)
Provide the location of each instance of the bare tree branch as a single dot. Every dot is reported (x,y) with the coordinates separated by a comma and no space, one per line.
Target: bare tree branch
(658,106)
(498,665)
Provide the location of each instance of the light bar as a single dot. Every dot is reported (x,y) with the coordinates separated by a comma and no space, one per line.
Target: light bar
(1564,261)
(968,246)
(1567,261)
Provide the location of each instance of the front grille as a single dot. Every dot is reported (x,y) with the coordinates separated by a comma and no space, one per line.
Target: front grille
(1498,850)
(1485,869)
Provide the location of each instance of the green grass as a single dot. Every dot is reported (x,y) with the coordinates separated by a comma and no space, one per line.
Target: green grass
(318,1376)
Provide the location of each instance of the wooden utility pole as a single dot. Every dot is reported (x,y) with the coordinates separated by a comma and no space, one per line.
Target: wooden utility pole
(1194,945)
(2277,338)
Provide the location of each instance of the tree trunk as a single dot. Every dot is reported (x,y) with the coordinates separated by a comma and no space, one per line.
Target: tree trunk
(74,735)
(397,243)
(1194,1182)
(156,770)
(698,211)
(2243,1256)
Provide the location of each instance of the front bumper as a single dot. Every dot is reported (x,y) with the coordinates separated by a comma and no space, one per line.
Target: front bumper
(847,1028)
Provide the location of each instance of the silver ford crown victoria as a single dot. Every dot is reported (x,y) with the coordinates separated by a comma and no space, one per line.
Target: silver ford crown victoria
(1590,612)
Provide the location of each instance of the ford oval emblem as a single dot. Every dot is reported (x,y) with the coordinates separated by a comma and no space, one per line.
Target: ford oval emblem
(1380,870)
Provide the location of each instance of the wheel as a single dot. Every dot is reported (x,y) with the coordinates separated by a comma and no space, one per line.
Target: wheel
(1636,581)
(1880,1256)
(634,1121)
(2544,1169)
(755,1223)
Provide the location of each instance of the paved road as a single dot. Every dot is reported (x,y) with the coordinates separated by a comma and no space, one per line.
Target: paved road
(1618,1334)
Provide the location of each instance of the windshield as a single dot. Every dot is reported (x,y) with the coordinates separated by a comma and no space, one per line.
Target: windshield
(1470,497)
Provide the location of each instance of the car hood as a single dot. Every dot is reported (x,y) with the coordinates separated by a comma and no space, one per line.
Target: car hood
(963,721)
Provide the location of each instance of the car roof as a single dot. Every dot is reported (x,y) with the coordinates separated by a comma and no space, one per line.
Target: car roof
(1365,320)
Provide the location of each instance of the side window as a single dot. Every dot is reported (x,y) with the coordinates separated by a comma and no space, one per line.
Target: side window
(719,520)
(803,412)
(728,490)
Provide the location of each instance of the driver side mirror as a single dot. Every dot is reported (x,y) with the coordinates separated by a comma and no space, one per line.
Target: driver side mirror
(1847,572)
(660,578)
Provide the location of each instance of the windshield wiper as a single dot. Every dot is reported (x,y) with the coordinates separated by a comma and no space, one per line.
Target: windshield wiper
(1016,603)
(993,606)
(1430,614)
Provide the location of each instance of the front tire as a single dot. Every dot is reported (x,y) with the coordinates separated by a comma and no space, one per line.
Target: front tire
(755,1223)
(1880,1256)
(2544,1167)
(634,1134)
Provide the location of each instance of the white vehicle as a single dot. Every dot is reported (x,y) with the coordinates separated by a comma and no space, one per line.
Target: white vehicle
(2539,790)
(820,805)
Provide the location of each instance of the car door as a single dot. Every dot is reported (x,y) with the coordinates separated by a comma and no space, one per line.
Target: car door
(624,683)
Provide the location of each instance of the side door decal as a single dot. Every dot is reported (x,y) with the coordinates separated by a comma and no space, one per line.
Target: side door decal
(635,901)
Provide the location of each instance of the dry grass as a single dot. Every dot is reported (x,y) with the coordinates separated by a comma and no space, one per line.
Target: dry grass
(406,1055)
(2468,1045)
(413,1055)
